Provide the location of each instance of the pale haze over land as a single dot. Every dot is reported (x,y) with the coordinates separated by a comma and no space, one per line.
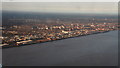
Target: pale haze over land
(62,7)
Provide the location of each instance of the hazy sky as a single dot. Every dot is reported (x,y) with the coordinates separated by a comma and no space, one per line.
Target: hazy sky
(63,7)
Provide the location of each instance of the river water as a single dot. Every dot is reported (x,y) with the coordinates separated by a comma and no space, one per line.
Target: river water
(92,50)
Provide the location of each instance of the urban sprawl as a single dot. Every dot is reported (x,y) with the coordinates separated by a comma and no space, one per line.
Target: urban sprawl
(19,35)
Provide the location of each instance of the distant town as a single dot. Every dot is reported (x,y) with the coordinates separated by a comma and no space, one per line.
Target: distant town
(26,34)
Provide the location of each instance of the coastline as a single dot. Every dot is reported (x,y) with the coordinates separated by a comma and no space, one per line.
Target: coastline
(4,47)
(92,50)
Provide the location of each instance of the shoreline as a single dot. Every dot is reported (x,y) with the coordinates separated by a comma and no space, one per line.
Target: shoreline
(4,47)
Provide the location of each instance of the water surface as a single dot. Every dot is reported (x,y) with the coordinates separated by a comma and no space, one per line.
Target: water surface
(92,50)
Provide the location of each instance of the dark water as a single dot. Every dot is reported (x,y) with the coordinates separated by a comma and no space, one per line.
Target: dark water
(92,50)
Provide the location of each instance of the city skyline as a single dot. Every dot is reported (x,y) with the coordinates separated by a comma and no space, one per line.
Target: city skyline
(59,33)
